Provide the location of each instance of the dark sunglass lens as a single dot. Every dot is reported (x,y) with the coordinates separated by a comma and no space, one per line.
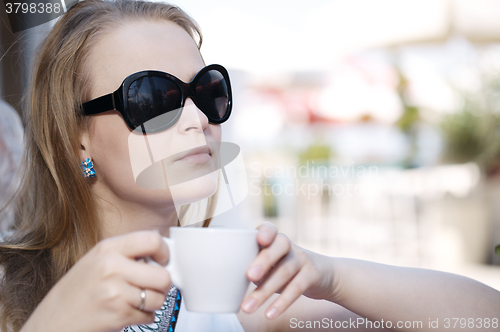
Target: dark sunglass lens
(153,102)
(212,95)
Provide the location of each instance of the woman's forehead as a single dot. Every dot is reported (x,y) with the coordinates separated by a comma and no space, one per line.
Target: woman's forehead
(142,45)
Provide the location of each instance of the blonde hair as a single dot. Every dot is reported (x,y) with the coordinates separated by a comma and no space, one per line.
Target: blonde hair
(56,221)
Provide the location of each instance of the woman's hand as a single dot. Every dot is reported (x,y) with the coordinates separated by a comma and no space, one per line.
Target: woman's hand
(283,267)
(357,291)
(102,291)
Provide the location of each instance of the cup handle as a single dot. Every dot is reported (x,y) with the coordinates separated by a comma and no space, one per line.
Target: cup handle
(171,265)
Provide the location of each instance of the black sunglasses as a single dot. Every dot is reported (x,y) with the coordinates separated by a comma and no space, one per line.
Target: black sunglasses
(153,100)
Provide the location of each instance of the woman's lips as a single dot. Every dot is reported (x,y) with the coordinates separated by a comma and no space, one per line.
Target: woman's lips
(197,155)
(197,158)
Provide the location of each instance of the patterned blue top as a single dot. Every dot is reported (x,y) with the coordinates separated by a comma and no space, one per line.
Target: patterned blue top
(188,321)
(165,318)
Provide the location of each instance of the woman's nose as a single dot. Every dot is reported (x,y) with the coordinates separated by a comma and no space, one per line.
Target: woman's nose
(192,118)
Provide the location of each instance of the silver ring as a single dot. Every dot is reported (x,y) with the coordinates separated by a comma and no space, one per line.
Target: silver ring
(143,299)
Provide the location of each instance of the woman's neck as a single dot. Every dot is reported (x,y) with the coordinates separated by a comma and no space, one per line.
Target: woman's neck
(118,216)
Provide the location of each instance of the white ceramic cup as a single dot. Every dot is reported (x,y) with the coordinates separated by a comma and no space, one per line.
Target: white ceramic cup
(209,266)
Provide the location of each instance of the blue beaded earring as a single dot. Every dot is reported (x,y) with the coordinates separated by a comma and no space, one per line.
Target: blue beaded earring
(88,168)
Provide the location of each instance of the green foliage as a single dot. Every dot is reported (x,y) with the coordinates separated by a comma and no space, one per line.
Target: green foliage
(472,133)
(316,151)
(465,136)
(270,204)
(410,116)
(497,250)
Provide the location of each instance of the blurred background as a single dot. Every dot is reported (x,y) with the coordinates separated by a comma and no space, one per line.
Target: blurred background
(369,128)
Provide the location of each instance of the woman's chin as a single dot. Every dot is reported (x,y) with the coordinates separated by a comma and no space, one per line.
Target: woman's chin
(194,191)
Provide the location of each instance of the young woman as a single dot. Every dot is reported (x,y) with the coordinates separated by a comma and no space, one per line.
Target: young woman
(73,264)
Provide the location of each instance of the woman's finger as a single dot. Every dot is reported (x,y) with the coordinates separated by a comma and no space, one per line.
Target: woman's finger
(266,235)
(275,281)
(153,300)
(142,274)
(268,257)
(295,288)
(119,302)
(116,294)
(137,244)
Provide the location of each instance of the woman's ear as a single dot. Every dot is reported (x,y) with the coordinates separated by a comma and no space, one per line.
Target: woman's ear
(85,150)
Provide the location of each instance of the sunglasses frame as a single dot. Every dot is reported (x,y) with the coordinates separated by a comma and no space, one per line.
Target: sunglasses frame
(116,100)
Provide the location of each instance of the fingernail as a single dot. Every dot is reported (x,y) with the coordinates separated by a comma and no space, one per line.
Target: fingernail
(255,272)
(272,313)
(249,305)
